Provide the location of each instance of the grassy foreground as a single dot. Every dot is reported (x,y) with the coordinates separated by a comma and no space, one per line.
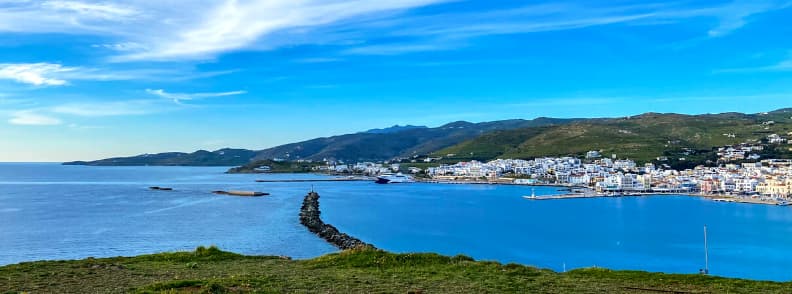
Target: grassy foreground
(209,270)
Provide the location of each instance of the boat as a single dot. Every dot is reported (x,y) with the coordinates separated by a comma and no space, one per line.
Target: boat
(393,179)
(782,203)
(161,188)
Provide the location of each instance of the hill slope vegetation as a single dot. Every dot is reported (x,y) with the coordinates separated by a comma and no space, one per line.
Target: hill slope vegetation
(372,145)
(379,146)
(643,137)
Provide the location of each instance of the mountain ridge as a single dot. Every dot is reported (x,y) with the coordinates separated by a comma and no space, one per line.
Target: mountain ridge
(379,145)
(643,137)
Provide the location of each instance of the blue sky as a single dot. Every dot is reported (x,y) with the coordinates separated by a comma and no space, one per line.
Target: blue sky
(84,80)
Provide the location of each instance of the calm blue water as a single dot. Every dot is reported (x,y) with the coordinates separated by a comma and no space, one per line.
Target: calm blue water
(49,211)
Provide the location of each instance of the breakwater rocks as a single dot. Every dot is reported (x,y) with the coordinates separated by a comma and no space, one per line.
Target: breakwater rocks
(309,217)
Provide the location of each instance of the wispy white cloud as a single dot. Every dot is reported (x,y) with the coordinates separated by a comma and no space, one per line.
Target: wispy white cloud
(53,74)
(91,10)
(33,118)
(525,19)
(781,66)
(736,14)
(442,31)
(111,108)
(8,100)
(170,74)
(178,97)
(52,115)
(145,30)
(39,74)
(69,17)
(122,47)
(231,25)
(395,49)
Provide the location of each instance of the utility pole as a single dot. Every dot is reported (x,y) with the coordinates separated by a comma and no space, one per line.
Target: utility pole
(706,252)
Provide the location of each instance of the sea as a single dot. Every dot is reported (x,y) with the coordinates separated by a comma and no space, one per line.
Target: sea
(50,211)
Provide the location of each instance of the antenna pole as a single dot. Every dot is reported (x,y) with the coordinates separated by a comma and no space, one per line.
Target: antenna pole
(706,252)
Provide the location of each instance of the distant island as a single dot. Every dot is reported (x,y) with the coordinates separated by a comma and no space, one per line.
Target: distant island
(642,138)
(222,157)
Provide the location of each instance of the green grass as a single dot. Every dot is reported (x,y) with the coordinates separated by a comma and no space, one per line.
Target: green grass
(209,270)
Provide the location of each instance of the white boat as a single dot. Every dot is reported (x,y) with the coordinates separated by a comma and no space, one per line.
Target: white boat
(782,203)
(393,179)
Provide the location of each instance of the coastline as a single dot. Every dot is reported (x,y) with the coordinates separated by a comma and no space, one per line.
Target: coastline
(745,199)
(714,197)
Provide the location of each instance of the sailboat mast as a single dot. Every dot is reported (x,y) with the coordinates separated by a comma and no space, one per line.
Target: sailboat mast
(706,252)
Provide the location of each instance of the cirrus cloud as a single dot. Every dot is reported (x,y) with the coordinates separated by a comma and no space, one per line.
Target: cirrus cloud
(32,118)
(178,97)
(38,74)
(144,30)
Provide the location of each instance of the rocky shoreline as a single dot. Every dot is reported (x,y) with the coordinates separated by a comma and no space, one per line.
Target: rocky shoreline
(310,218)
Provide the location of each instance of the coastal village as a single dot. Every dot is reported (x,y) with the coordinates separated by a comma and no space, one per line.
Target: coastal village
(766,181)
(741,173)
(767,178)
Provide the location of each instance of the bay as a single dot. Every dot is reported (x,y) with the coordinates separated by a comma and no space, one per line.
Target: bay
(49,211)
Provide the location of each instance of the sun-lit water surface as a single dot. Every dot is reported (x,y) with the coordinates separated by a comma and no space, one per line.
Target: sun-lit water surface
(48,211)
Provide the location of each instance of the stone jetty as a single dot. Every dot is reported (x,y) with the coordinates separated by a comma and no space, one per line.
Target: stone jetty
(309,217)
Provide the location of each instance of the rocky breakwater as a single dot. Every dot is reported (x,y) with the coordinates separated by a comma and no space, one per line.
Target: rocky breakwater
(310,217)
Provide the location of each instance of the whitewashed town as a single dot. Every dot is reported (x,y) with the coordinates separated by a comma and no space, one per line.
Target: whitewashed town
(770,178)
(764,181)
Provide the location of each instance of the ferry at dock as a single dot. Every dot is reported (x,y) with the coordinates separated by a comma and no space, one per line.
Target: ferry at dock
(393,179)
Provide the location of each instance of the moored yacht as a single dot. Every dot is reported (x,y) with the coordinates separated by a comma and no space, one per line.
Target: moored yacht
(393,179)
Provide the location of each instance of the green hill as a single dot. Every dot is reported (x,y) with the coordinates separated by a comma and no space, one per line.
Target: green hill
(378,146)
(209,270)
(642,138)
(371,145)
